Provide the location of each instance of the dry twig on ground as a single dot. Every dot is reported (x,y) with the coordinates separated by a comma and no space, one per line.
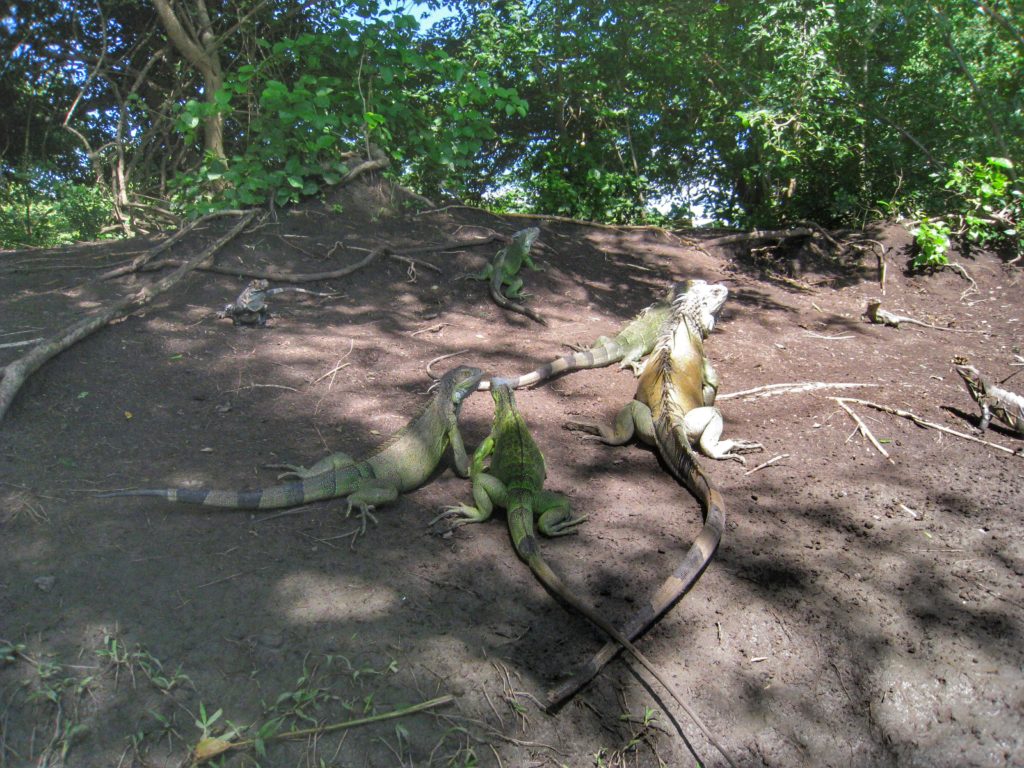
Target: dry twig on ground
(925,424)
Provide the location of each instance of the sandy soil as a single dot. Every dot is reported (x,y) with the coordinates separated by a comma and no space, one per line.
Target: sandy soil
(860,611)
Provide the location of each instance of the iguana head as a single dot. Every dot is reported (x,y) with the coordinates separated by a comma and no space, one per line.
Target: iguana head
(461,382)
(970,375)
(526,237)
(701,302)
(503,395)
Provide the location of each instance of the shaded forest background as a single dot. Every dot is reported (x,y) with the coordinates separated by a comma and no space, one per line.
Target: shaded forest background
(122,117)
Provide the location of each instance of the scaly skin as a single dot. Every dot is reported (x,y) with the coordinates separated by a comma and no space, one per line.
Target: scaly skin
(401,464)
(673,409)
(515,481)
(504,271)
(627,348)
(1005,405)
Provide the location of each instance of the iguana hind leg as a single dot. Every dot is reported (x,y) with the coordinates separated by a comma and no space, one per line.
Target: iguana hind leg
(330,463)
(513,287)
(634,419)
(554,516)
(704,428)
(487,491)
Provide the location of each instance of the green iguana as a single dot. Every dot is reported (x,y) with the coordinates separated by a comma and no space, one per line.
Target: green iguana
(1005,405)
(875,314)
(401,464)
(504,271)
(673,410)
(627,348)
(515,481)
(250,308)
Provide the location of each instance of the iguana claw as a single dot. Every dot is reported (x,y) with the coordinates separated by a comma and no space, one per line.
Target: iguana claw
(296,471)
(463,514)
(365,513)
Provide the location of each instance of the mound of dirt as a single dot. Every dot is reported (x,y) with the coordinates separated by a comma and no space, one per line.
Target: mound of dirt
(862,609)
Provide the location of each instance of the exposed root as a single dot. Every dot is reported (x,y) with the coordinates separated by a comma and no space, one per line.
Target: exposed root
(17,372)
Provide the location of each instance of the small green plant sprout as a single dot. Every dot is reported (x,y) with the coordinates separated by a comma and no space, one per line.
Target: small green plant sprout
(10,652)
(932,240)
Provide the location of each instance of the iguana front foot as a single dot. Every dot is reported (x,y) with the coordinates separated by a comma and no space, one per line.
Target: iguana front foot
(365,513)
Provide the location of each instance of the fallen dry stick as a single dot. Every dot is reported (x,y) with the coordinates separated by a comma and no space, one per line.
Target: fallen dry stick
(786,389)
(768,463)
(863,427)
(926,424)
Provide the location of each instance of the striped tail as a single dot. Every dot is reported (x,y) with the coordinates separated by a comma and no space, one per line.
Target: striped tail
(323,486)
(676,452)
(598,357)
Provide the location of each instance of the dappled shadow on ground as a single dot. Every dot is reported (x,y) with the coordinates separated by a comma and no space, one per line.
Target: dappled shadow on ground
(859,612)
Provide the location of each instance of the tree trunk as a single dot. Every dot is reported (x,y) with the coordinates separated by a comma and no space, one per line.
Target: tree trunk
(196,41)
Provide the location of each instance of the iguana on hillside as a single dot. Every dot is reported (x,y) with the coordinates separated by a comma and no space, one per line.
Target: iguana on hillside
(673,410)
(504,271)
(875,314)
(515,481)
(627,348)
(1005,405)
(401,464)
(250,308)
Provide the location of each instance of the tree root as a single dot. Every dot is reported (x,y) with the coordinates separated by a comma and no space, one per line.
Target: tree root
(16,373)
(284,276)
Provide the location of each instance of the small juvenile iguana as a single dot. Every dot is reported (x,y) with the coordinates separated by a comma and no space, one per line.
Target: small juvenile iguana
(627,348)
(515,481)
(875,314)
(504,271)
(401,464)
(1005,405)
(250,308)
(673,410)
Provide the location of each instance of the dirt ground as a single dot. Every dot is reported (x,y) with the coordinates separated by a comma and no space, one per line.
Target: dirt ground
(860,611)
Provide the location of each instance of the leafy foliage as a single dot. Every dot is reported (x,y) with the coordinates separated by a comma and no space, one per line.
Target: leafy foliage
(759,113)
(315,97)
(990,204)
(932,241)
(38,209)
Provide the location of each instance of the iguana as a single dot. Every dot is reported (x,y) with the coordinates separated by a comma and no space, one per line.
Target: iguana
(875,314)
(401,464)
(504,271)
(1005,405)
(515,481)
(250,308)
(627,348)
(673,410)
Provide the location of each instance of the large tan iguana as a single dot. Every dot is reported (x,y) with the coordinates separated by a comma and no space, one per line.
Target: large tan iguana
(673,410)
(515,481)
(401,464)
(627,348)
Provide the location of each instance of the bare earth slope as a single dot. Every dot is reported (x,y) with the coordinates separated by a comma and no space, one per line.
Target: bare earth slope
(860,612)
